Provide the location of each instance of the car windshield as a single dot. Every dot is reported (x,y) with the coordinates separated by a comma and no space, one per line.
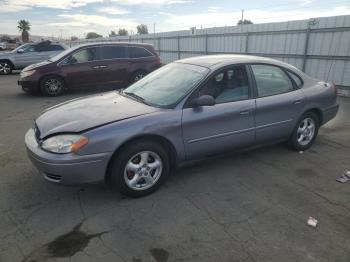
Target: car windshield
(63,54)
(167,85)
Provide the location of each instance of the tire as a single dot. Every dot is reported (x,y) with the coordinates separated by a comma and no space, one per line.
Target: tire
(5,67)
(305,132)
(136,76)
(131,177)
(52,86)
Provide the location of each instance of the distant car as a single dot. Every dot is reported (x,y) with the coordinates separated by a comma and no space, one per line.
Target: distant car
(189,109)
(98,64)
(28,54)
(3,46)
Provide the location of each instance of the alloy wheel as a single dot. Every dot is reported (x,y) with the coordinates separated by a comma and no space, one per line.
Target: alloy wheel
(143,170)
(5,68)
(306,131)
(53,86)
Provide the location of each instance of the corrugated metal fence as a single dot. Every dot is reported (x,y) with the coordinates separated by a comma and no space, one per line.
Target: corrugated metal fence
(319,46)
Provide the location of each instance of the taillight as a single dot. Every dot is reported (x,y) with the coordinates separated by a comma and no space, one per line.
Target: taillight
(159,61)
(335,89)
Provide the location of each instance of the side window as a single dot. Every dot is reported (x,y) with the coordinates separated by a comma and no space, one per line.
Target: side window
(138,52)
(297,80)
(82,56)
(228,86)
(113,52)
(28,48)
(55,48)
(271,80)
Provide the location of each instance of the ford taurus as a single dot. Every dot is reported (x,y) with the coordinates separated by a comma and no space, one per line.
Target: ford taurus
(186,110)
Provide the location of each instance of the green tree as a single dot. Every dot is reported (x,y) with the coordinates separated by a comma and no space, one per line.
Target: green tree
(92,35)
(244,22)
(122,32)
(142,29)
(5,38)
(24,28)
(112,34)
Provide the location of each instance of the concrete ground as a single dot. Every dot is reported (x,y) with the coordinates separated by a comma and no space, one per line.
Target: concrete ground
(250,206)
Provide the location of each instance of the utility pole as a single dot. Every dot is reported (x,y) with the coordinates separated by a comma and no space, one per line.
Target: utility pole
(242,15)
(154,28)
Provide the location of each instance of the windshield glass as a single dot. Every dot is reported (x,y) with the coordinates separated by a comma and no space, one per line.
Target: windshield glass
(63,54)
(165,86)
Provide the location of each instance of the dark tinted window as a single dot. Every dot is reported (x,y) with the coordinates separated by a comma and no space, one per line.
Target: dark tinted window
(113,52)
(55,48)
(296,79)
(138,52)
(271,80)
(228,86)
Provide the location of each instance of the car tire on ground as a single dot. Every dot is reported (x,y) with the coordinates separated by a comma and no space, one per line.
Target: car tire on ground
(305,132)
(139,74)
(5,67)
(52,86)
(140,169)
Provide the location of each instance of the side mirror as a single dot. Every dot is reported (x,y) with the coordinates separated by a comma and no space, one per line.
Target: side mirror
(20,51)
(205,100)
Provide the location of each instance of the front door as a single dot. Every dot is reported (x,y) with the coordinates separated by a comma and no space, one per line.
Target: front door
(227,125)
(26,56)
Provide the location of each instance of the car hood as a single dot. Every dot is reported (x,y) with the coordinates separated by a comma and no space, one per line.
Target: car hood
(33,66)
(89,112)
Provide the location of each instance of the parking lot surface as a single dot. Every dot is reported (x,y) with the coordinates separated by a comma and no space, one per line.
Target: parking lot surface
(247,206)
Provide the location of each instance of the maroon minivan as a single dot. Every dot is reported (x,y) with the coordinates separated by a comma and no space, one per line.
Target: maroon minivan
(96,64)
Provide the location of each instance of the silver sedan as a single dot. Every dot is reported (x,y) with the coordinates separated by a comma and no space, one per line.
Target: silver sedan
(189,109)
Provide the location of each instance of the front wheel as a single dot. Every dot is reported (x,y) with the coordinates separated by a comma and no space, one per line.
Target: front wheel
(305,132)
(52,86)
(5,68)
(140,168)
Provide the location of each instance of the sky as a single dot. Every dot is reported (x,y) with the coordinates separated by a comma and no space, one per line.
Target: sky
(77,17)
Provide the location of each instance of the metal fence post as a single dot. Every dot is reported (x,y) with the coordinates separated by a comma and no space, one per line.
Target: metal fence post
(206,43)
(306,47)
(178,47)
(247,43)
(159,45)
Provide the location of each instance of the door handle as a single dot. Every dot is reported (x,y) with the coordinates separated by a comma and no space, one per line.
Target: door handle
(103,66)
(99,67)
(95,67)
(244,112)
(298,101)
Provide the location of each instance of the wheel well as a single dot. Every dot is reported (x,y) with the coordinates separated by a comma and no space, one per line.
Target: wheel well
(8,61)
(55,75)
(165,143)
(318,113)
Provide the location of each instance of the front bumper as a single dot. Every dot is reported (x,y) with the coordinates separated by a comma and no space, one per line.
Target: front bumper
(67,169)
(28,85)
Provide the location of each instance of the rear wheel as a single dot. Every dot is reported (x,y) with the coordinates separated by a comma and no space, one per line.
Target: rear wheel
(140,169)
(52,86)
(5,68)
(137,76)
(305,132)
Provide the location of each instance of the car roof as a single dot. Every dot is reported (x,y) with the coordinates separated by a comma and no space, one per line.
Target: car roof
(217,61)
(115,43)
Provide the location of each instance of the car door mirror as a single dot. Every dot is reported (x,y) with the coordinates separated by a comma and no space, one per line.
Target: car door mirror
(205,100)
(20,51)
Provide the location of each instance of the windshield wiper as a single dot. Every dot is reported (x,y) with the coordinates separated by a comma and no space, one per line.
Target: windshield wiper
(133,95)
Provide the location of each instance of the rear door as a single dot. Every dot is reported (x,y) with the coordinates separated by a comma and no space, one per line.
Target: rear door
(279,103)
(81,68)
(227,125)
(113,65)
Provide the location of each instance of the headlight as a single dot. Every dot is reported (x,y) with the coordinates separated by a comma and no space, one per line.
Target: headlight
(27,73)
(63,144)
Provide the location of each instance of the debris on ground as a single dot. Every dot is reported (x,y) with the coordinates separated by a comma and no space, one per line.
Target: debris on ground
(344,178)
(312,222)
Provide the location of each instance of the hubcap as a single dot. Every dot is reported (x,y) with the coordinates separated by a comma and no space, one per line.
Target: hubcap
(5,68)
(306,131)
(139,76)
(53,86)
(143,170)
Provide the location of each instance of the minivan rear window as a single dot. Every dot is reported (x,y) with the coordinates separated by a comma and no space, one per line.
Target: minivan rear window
(113,52)
(139,52)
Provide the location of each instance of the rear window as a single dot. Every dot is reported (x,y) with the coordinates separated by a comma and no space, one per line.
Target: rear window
(139,52)
(297,80)
(113,52)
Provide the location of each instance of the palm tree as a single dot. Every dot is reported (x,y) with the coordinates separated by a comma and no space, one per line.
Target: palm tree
(24,27)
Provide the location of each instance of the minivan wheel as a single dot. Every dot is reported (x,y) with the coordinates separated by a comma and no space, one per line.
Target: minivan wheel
(5,68)
(52,86)
(137,76)
(305,132)
(140,169)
